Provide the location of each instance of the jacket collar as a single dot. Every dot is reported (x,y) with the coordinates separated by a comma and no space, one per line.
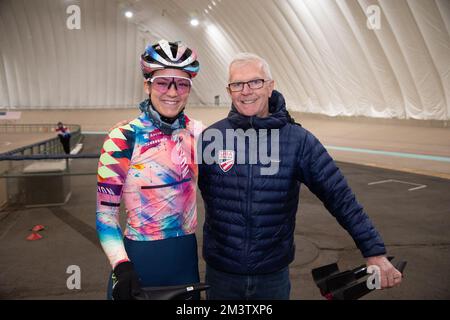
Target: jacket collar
(277,118)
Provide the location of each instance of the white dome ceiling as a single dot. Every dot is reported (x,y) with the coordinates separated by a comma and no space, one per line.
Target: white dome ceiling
(324,57)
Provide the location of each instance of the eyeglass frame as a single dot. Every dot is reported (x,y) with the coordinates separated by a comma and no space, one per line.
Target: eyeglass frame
(150,80)
(243,83)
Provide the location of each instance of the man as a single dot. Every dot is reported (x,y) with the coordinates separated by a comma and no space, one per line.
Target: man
(149,164)
(250,210)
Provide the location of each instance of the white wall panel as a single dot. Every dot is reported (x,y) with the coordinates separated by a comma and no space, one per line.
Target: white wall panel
(324,58)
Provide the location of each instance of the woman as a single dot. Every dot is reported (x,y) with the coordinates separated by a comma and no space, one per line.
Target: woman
(149,164)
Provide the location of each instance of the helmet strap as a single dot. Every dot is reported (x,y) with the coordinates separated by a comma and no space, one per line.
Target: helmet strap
(162,122)
(168,120)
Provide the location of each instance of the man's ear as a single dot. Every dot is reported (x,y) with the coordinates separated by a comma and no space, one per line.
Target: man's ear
(228,90)
(271,86)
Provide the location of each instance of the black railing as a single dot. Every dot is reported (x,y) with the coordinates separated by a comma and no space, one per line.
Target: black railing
(48,146)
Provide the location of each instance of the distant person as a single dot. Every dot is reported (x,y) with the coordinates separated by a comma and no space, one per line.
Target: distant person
(64,136)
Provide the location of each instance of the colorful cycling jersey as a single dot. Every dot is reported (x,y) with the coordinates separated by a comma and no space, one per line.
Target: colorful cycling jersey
(155,174)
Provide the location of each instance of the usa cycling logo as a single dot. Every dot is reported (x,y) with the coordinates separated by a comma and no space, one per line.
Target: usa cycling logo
(226,159)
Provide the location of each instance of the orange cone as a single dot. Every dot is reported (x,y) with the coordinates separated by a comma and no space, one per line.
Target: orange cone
(37,228)
(34,236)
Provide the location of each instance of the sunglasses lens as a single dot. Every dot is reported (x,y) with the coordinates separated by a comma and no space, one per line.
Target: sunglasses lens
(163,84)
(183,85)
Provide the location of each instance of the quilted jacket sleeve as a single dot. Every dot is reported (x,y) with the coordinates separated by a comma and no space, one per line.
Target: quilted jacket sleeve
(320,174)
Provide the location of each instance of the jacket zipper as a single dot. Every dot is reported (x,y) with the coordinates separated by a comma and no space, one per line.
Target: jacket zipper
(249,204)
(247,221)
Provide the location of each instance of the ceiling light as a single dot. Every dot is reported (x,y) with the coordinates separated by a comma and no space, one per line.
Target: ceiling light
(212,29)
(194,22)
(129,14)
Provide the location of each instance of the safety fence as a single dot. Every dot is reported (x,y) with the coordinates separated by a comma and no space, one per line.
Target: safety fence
(42,180)
(40,173)
(48,146)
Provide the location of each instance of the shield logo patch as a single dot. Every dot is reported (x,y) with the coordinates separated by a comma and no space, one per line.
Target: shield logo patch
(226,159)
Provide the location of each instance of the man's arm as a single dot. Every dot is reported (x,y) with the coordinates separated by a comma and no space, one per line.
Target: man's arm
(320,174)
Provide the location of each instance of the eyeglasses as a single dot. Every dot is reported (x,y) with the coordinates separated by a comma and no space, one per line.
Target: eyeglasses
(252,84)
(162,84)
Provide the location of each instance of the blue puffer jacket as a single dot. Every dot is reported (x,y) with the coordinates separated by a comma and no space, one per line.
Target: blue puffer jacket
(250,218)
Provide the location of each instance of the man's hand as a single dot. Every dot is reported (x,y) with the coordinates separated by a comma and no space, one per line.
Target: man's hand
(389,276)
(119,124)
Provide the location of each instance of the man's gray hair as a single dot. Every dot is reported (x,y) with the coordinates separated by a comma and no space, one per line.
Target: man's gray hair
(243,57)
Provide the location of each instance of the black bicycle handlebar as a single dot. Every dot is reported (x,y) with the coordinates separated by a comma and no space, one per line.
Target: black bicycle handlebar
(181,292)
(337,285)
